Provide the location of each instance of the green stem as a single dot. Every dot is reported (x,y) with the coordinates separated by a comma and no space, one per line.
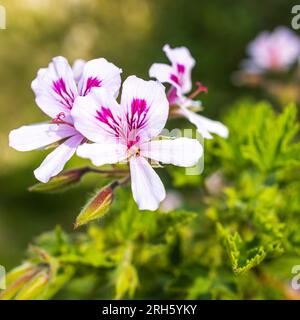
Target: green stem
(106,171)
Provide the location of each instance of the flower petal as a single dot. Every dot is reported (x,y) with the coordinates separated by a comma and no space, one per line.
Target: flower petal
(147,189)
(162,72)
(56,160)
(77,69)
(183,62)
(38,135)
(100,73)
(206,126)
(179,55)
(183,152)
(97,116)
(55,88)
(101,153)
(145,106)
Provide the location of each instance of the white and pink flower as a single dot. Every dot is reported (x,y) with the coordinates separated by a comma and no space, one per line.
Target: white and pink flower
(179,76)
(56,89)
(272,51)
(129,131)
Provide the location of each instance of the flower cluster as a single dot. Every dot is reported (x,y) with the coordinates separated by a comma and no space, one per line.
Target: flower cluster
(87,119)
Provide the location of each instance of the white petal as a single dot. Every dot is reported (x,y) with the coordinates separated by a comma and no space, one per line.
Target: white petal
(206,126)
(85,115)
(162,72)
(38,135)
(77,69)
(55,88)
(56,160)
(181,56)
(156,109)
(147,188)
(100,73)
(101,153)
(183,152)
(189,103)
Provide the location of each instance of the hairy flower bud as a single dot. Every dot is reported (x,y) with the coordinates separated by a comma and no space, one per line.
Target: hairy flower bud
(61,182)
(97,206)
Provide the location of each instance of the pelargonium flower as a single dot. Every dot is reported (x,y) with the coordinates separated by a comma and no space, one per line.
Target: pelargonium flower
(129,131)
(56,89)
(273,51)
(178,75)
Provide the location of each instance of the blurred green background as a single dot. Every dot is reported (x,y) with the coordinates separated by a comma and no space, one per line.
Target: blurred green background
(129,33)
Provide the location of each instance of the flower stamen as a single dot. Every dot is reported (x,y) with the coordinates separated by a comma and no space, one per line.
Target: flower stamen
(201,88)
(59,119)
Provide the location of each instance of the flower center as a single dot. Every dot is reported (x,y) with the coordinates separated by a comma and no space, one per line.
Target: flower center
(127,128)
(133,151)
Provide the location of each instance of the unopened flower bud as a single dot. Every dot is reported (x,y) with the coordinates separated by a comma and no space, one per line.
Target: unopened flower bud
(18,272)
(18,283)
(60,182)
(34,287)
(97,206)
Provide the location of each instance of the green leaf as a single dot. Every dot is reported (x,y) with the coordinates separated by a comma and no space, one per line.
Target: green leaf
(241,259)
(270,143)
(127,281)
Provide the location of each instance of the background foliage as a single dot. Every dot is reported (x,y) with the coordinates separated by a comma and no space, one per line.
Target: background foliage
(236,234)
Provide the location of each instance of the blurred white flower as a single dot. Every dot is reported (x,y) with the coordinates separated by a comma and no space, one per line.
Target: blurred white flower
(273,51)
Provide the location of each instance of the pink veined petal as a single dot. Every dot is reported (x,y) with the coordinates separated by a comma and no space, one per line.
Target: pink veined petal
(77,69)
(101,153)
(100,73)
(206,126)
(162,72)
(56,160)
(183,152)
(97,116)
(183,62)
(145,106)
(147,189)
(166,74)
(38,135)
(179,55)
(55,88)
